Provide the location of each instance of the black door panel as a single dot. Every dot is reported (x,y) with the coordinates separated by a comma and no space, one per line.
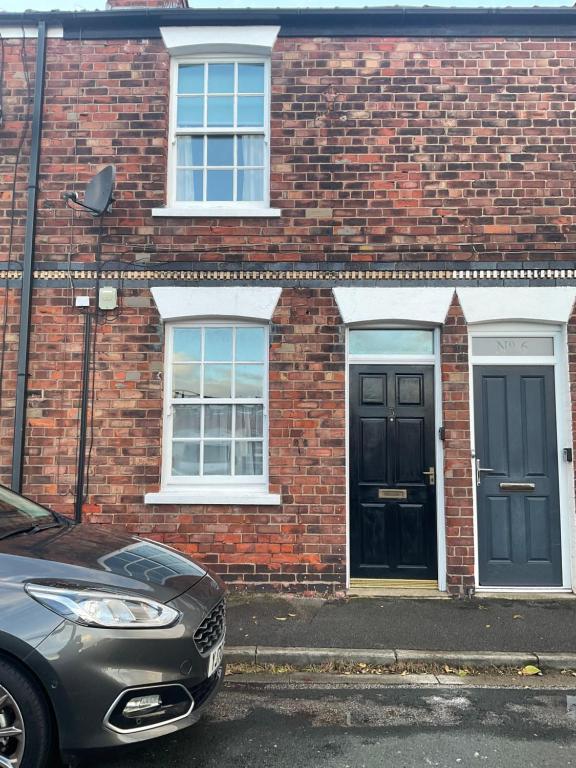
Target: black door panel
(519,541)
(391,449)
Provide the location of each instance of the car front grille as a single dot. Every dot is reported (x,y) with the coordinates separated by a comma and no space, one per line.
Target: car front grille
(211,631)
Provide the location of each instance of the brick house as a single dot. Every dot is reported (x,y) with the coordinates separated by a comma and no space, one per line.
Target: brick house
(341,350)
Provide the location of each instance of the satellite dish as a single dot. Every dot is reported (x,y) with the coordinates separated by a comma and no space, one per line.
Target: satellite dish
(98,196)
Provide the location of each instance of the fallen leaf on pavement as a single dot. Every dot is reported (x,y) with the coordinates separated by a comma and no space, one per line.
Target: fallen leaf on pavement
(517,616)
(280,618)
(530,669)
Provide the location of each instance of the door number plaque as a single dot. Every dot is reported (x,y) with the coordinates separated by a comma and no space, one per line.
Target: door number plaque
(392,493)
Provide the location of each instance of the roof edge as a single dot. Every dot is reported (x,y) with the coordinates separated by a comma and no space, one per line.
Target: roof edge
(311,22)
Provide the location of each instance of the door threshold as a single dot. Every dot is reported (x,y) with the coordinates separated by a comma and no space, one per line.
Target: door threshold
(410,588)
(532,593)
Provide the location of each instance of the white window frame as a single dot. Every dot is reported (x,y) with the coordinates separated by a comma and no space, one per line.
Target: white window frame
(210,207)
(213,489)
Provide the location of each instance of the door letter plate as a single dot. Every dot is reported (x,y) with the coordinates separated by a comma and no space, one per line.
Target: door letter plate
(517,486)
(392,493)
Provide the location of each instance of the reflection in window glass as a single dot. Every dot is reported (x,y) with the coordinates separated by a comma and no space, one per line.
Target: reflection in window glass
(187,344)
(218,344)
(190,111)
(217,458)
(217,421)
(185,458)
(391,342)
(250,78)
(187,420)
(217,380)
(186,380)
(249,380)
(249,420)
(191,78)
(220,185)
(209,166)
(250,345)
(217,417)
(220,78)
(249,459)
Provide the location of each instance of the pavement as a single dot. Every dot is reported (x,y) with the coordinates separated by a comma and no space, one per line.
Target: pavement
(481,632)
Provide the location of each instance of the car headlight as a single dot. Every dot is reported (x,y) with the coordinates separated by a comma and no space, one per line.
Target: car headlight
(104,609)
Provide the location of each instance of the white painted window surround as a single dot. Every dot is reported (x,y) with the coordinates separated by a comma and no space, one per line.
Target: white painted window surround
(549,305)
(426,306)
(201,308)
(219,45)
(247,303)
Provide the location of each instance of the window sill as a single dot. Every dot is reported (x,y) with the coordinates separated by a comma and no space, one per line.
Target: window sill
(215,212)
(234,497)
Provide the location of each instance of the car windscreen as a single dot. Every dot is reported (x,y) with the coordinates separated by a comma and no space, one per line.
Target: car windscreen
(17,512)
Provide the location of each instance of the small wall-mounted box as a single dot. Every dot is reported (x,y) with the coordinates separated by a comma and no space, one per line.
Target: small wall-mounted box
(82,301)
(107,297)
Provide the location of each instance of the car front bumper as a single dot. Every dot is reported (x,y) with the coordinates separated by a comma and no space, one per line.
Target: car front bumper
(87,670)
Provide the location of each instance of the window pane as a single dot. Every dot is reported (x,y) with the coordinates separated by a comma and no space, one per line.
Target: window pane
(250,185)
(186,380)
(217,458)
(220,150)
(220,78)
(250,344)
(186,421)
(250,110)
(190,150)
(190,111)
(248,458)
(221,111)
(217,421)
(251,78)
(218,380)
(189,184)
(249,420)
(186,344)
(218,344)
(185,458)
(386,342)
(220,185)
(249,380)
(250,150)
(191,78)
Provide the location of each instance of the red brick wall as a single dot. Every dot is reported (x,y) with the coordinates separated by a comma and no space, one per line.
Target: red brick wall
(382,149)
(457,452)
(302,540)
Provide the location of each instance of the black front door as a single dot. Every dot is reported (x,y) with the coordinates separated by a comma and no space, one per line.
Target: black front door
(392,472)
(517,477)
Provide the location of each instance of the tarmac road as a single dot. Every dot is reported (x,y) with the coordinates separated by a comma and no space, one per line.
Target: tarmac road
(320,725)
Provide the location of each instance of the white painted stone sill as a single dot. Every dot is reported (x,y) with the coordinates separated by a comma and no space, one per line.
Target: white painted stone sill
(235,498)
(215,212)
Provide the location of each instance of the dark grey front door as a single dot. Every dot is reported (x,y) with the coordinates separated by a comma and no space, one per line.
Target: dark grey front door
(517,479)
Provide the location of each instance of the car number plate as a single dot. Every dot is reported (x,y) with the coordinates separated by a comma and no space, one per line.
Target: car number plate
(215,659)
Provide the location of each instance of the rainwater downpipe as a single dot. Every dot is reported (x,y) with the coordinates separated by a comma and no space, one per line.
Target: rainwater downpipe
(28,266)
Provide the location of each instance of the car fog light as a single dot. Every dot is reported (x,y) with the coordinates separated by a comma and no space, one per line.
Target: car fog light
(141,705)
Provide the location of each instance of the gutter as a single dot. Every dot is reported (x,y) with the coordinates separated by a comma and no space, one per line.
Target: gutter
(143,23)
(28,265)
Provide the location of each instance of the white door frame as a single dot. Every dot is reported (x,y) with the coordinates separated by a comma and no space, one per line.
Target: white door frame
(559,362)
(434,361)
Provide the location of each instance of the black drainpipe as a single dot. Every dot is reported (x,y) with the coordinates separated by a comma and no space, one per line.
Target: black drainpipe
(28,266)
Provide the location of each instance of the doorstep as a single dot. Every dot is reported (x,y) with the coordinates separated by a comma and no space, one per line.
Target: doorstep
(408,588)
